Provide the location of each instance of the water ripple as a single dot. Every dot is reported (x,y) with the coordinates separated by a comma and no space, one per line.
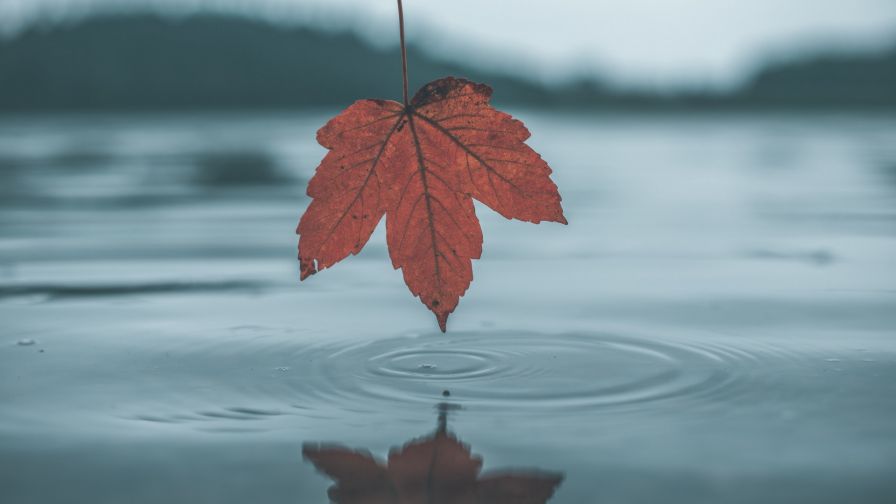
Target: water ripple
(518,370)
(268,376)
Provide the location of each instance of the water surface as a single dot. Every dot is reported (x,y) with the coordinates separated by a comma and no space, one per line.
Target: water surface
(716,324)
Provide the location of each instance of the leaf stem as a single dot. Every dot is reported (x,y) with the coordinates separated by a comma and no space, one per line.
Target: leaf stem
(404,54)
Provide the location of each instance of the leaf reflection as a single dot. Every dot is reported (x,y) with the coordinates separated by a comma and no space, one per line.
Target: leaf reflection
(433,469)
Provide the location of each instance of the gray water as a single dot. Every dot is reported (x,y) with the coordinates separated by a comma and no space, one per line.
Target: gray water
(716,324)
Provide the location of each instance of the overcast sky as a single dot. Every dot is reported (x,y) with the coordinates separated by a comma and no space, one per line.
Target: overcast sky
(650,42)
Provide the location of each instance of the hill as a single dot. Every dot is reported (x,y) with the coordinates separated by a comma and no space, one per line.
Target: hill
(149,62)
(845,80)
(145,62)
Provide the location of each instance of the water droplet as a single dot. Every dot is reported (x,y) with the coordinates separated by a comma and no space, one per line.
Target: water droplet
(282,369)
(26,342)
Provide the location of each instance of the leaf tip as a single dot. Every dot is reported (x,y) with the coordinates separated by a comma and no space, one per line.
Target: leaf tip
(307,267)
(440,311)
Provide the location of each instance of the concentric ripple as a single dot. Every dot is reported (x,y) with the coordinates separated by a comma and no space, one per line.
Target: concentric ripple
(516,370)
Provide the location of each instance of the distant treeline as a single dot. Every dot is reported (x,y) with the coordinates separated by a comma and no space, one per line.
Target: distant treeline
(218,62)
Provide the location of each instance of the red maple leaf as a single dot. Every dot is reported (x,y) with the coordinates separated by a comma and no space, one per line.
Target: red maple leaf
(421,163)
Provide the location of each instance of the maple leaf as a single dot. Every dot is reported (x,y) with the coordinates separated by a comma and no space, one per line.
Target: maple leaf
(434,469)
(421,165)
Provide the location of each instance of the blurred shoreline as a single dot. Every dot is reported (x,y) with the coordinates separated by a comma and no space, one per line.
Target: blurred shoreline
(152,64)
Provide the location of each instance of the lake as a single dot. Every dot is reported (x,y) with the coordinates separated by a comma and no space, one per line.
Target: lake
(717,323)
